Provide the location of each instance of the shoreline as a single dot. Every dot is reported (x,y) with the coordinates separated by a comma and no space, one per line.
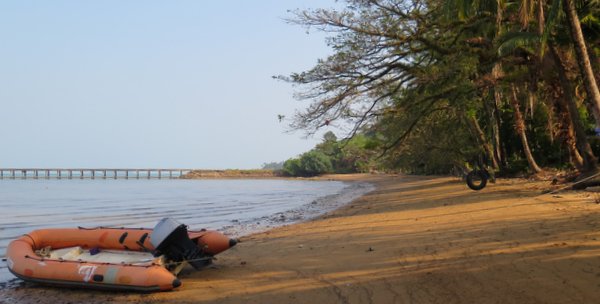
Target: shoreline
(304,213)
(411,240)
(240,207)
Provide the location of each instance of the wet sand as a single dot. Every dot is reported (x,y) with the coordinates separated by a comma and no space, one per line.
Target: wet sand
(412,240)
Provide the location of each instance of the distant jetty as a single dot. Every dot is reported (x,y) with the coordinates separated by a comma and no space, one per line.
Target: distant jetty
(90,173)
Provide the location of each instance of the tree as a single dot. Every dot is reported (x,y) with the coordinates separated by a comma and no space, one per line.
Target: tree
(292,167)
(315,163)
(311,163)
(583,59)
(401,69)
(520,128)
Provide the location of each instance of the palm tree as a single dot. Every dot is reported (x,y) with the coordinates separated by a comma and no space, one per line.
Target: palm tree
(520,128)
(583,59)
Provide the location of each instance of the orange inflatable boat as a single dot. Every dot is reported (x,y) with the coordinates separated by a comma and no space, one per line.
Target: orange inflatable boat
(113,258)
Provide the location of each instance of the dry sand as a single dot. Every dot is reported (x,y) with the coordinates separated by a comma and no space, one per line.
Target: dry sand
(413,240)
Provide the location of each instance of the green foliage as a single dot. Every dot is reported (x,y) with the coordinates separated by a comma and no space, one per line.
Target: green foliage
(311,163)
(292,167)
(551,22)
(332,156)
(431,85)
(435,146)
(512,41)
(315,163)
(356,155)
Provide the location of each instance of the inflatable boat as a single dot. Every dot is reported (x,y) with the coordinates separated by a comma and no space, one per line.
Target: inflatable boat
(134,259)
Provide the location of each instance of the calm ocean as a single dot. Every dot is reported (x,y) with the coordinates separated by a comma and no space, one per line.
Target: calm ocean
(235,207)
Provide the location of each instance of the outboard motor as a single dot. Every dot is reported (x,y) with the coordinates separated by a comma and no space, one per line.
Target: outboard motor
(170,238)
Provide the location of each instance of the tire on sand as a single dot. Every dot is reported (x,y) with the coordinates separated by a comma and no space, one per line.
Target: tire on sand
(477,180)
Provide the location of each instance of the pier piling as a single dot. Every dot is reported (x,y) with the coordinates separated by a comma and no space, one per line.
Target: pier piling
(49,173)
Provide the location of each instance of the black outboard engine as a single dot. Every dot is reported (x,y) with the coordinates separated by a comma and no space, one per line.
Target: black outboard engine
(170,238)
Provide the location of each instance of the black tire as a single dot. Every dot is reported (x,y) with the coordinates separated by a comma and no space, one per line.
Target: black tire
(477,180)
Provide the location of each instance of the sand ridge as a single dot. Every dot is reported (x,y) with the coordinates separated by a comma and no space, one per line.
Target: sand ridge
(412,240)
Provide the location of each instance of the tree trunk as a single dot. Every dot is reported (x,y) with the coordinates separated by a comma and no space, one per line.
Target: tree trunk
(568,105)
(541,20)
(531,100)
(496,71)
(566,130)
(569,136)
(550,114)
(495,127)
(595,63)
(483,141)
(583,59)
(520,128)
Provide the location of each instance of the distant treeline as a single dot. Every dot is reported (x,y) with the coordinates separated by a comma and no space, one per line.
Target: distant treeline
(431,85)
(332,156)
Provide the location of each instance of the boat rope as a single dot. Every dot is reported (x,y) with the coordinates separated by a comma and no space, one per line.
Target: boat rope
(173,263)
(573,184)
(32,240)
(60,260)
(44,252)
(131,263)
(116,228)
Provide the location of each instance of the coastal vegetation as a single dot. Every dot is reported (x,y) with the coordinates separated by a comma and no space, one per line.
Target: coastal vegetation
(333,156)
(430,86)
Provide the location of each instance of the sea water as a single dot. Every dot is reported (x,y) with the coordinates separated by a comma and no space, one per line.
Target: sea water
(236,207)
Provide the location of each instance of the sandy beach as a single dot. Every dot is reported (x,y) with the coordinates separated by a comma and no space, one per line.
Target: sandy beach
(412,240)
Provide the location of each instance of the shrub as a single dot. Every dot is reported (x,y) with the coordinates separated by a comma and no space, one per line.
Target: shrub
(309,164)
(291,167)
(315,163)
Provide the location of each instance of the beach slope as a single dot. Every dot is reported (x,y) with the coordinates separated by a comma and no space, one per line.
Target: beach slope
(412,240)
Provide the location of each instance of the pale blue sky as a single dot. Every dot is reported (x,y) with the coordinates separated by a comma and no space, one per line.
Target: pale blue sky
(150,83)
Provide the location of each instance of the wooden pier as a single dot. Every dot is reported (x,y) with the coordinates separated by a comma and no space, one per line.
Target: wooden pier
(58,173)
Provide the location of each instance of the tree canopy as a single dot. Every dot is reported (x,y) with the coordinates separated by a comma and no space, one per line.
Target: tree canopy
(432,85)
